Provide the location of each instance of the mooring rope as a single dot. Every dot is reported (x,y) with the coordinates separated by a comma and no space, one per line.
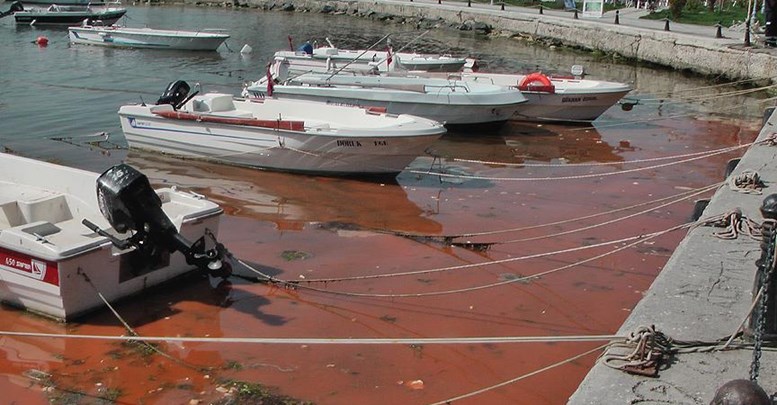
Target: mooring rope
(132,333)
(574,177)
(705,153)
(604,124)
(610,222)
(325,341)
(533,373)
(703,97)
(298,284)
(678,197)
(713,86)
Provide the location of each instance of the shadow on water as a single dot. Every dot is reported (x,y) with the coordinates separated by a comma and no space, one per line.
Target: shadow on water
(163,301)
(290,201)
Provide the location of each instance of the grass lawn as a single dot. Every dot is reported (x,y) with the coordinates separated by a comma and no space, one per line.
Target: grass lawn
(553,4)
(702,16)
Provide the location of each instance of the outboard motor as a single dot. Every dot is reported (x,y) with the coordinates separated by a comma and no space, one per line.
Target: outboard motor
(305,48)
(128,202)
(175,94)
(15,6)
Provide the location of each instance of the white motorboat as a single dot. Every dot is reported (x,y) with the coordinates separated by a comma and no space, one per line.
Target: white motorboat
(550,97)
(67,235)
(149,38)
(556,98)
(382,61)
(285,135)
(64,14)
(452,102)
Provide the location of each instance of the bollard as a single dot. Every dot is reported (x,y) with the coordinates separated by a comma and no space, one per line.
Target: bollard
(439,1)
(540,8)
(747,32)
(666,24)
(575,14)
(503,6)
(768,111)
(469,3)
(617,17)
(719,31)
(763,321)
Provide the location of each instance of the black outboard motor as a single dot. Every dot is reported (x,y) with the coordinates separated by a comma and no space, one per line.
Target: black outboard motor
(175,94)
(128,202)
(15,6)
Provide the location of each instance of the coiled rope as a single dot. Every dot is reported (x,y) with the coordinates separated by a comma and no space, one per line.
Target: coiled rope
(747,182)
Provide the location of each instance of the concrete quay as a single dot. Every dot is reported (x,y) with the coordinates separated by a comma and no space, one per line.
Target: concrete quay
(685,46)
(703,293)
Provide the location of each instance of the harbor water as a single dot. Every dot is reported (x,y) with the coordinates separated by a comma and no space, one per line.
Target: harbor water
(454,251)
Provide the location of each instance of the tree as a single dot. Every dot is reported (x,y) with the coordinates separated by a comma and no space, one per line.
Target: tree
(676,7)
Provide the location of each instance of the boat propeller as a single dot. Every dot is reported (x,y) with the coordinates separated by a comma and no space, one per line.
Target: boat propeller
(128,202)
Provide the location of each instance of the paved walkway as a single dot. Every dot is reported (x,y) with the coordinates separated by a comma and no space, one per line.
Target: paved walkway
(628,17)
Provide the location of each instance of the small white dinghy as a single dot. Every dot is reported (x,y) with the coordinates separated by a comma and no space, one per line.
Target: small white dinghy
(284,135)
(147,38)
(67,234)
(64,14)
(450,101)
(382,61)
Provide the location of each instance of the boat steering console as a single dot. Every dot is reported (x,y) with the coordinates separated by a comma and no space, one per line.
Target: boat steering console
(128,202)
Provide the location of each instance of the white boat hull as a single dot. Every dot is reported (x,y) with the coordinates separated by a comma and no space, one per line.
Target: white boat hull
(147,38)
(322,148)
(339,58)
(68,15)
(448,114)
(50,263)
(574,100)
(451,102)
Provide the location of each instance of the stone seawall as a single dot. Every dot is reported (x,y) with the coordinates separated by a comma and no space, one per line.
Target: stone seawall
(706,56)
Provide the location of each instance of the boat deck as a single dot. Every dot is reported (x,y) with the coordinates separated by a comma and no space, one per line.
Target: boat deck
(41,222)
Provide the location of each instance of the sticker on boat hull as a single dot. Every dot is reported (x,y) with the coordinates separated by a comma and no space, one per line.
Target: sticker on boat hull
(28,266)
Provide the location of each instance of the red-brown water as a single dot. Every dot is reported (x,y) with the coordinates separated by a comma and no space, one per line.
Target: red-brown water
(293,226)
(302,227)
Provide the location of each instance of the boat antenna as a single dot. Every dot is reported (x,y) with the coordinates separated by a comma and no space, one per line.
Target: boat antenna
(358,56)
(405,46)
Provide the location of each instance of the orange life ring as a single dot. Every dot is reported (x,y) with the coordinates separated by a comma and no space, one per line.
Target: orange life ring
(536,82)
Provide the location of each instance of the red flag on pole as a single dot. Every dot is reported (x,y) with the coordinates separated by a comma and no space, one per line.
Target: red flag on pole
(270,82)
(388,56)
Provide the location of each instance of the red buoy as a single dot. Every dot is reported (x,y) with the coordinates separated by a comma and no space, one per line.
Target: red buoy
(42,41)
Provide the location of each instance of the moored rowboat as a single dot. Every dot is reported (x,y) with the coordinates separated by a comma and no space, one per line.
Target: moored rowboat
(149,38)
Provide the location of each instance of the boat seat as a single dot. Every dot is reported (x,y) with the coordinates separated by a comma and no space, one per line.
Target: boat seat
(49,209)
(10,214)
(215,102)
(62,239)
